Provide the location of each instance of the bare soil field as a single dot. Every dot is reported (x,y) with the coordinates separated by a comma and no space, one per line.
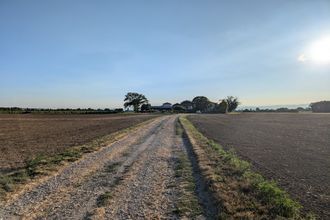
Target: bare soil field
(292,149)
(23,137)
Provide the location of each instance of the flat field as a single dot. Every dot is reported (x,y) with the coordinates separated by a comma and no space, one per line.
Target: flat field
(291,148)
(23,137)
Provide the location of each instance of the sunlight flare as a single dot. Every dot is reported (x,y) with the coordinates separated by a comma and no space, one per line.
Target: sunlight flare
(318,52)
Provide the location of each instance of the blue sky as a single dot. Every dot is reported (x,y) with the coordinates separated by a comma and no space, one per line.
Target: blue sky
(91,53)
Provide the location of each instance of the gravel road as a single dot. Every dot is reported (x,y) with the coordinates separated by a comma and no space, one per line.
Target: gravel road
(136,173)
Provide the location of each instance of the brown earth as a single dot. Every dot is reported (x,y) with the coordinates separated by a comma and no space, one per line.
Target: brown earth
(23,137)
(293,149)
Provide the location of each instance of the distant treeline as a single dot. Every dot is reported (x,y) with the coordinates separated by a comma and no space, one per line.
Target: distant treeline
(323,106)
(299,109)
(320,107)
(17,110)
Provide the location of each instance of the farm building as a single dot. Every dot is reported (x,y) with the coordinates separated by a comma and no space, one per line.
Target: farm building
(323,106)
(165,107)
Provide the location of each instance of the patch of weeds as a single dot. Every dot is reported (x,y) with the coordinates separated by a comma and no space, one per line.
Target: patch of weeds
(33,166)
(89,216)
(126,168)
(239,167)
(112,167)
(249,186)
(71,155)
(57,159)
(86,149)
(178,129)
(270,193)
(19,176)
(6,183)
(41,164)
(126,154)
(180,166)
(116,181)
(104,199)
(311,216)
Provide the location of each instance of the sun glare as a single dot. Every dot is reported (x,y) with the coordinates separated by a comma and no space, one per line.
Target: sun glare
(319,51)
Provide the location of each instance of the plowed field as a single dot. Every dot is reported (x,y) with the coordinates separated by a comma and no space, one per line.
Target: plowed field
(23,137)
(293,149)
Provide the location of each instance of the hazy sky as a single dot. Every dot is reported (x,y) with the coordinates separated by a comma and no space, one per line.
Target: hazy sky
(91,53)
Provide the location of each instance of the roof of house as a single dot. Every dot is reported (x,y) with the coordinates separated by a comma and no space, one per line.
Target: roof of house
(161,107)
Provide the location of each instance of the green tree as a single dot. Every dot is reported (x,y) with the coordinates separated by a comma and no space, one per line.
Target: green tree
(223,106)
(232,103)
(135,99)
(201,103)
(178,108)
(145,107)
(188,105)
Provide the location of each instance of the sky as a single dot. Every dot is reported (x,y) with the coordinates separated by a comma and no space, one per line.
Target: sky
(81,53)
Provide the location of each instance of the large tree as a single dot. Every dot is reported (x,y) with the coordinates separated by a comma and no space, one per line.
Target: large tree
(145,108)
(323,106)
(232,103)
(201,103)
(188,105)
(178,108)
(135,99)
(222,107)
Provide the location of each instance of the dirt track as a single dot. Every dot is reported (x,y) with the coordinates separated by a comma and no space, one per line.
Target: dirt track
(293,149)
(137,172)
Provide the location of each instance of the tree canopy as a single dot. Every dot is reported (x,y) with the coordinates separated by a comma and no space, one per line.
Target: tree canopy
(201,103)
(323,106)
(232,103)
(135,99)
(145,107)
(188,105)
(179,108)
(223,107)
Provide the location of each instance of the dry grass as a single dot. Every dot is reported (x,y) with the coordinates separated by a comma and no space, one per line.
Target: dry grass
(239,192)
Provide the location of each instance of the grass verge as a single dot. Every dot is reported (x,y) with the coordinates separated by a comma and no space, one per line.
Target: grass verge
(44,165)
(239,192)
